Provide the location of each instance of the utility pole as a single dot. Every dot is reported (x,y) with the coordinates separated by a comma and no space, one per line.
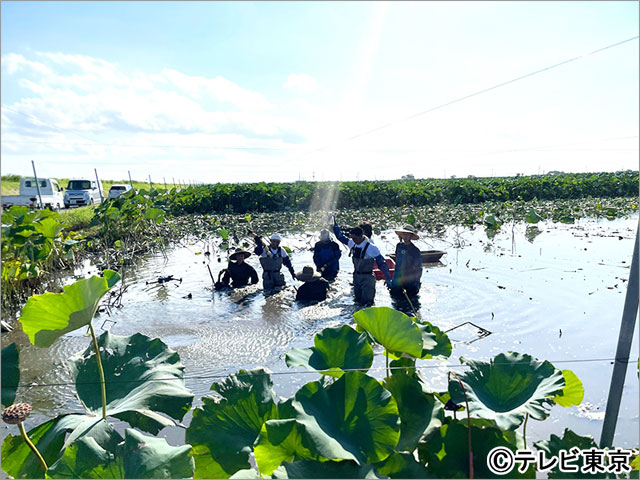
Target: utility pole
(165,184)
(130,181)
(37,184)
(99,185)
(150,184)
(627,328)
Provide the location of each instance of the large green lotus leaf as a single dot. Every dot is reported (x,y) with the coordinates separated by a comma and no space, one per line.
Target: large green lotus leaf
(143,378)
(354,418)
(49,227)
(48,316)
(279,441)
(139,456)
(569,439)
(87,459)
(223,431)
(336,348)
(402,465)
(316,469)
(392,329)
(20,462)
(435,343)
(446,453)
(420,412)
(148,457)
(507,388)
(573,391)
(10,373)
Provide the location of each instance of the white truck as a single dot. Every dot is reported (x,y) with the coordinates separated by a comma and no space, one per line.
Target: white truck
(81,192)
(50,191)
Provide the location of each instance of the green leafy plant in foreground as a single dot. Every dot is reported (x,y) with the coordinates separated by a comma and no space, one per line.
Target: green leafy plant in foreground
(345,424)
(145,388)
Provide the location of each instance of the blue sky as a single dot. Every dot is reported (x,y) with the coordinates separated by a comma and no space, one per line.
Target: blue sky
(221,91)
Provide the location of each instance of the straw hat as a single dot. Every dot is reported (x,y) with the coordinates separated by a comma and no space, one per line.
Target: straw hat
(408,229)
(238,251)
(308,274)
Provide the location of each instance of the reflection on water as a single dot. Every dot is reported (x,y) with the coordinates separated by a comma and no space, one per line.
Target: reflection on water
(560,277)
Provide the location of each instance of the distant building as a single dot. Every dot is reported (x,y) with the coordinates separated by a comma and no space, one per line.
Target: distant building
(408,176)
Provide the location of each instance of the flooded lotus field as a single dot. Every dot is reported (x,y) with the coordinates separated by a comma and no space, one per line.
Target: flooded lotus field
(555,291)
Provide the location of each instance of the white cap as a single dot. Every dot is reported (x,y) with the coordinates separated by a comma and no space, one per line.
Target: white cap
(275,236)
(324,233)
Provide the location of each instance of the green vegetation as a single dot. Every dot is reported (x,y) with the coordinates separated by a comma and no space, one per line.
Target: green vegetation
(347,424)
(280,197)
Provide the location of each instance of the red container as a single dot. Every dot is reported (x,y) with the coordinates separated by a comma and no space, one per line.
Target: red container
(378,273)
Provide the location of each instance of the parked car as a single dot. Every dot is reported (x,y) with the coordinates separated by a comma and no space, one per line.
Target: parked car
(50,191)
(118,189)
(81,192)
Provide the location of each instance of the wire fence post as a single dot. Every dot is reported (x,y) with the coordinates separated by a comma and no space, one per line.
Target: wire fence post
(37,184)
(99,185)
(627,328)
(130,181)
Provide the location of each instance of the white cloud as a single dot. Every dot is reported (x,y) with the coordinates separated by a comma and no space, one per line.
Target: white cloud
(301,82)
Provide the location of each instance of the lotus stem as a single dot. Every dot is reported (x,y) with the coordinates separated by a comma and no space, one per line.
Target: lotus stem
(103,387)
(468,429)
(387,362)
(33,448)
(524,430)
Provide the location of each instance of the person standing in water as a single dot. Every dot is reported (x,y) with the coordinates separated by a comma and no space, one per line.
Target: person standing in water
(239,273)
(408,269)
(272,258)
(326,254)
(363,253)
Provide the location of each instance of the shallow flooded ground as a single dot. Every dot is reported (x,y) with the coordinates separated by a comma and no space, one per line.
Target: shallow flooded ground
(554,291)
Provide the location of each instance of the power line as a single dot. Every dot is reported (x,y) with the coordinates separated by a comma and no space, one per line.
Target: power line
(218,376)
(479,92)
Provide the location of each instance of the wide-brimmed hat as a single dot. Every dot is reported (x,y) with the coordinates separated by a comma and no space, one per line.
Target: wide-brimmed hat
(239,251)
(308,274)
(409,229)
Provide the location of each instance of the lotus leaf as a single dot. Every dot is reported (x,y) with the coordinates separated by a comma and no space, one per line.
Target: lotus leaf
(446,453)
(507,388)
(532,216)
(392,329)
(402,465)
(144,378)
(223,431)
(573,391)
(20,462)
(10,374)
(86,459)
(315,469)
(435,343)
(336,348)
(569,439)
(279,441)
(48,316)
(354,418)
(420,412)
(138,456)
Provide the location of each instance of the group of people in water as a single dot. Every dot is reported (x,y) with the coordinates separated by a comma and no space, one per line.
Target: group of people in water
(404,282)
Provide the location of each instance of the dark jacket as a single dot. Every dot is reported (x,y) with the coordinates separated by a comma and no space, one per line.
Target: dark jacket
(408,268)
(326,254)
(316,290)
(240,274)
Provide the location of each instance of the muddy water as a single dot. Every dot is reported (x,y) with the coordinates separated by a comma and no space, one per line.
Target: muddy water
(556,293)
